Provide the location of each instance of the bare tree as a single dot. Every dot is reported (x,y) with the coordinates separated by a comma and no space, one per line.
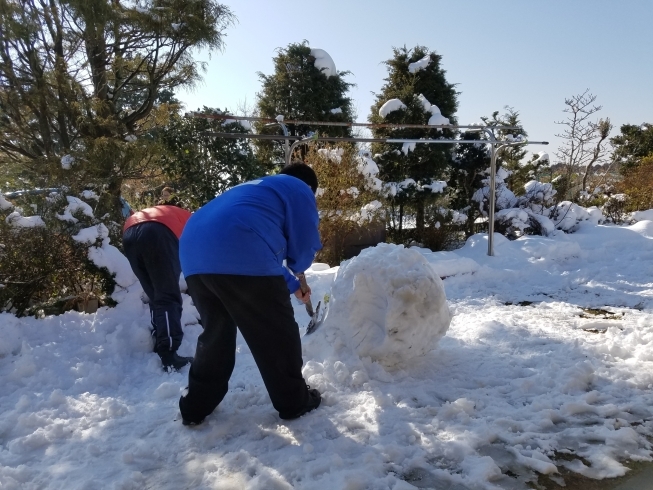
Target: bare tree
(585,141)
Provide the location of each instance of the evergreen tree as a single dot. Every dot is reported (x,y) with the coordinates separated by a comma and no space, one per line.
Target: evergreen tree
(632,145)
(298,90)
(81,78)
(199,166)
(417,80)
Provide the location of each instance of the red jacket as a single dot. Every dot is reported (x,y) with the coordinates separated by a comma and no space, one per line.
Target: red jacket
(173,217)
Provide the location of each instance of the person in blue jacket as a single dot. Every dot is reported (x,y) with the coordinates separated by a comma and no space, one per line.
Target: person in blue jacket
(232,254)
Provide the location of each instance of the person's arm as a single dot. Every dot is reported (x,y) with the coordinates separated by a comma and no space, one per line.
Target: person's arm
(301,230)
(291,280)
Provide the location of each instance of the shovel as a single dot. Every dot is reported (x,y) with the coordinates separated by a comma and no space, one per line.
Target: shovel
(316,320)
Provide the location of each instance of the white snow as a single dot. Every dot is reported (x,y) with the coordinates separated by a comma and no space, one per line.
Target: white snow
(67,162)
(523,374)
(4,204)
(90,195)
(643,215)
(18,220)
(75,204)
(390,106)
(420,64)
(324,62)
(337,110)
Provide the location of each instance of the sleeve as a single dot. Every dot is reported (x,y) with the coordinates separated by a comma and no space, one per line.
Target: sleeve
(291,280)
(301,229)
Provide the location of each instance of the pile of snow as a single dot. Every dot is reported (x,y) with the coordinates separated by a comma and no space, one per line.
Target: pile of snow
(4,204)
(106,255)
(324,62)
(437,118)
(642,215)
(242,122)
(90,195)
(337,110)
(389,305)
(568,215)
(67,162)
(420,64)
(74,205)
(390,106)
(333,154)
(19,221)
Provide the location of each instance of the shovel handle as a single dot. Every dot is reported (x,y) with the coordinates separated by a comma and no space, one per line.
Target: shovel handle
(304,287)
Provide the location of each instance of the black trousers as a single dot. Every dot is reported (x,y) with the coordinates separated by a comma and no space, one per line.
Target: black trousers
(153,253)
(260,307)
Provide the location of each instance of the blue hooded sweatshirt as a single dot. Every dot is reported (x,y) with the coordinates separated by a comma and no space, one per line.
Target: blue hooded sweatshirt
(251,229)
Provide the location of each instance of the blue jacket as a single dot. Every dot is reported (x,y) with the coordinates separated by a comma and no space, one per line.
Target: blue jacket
(251,229)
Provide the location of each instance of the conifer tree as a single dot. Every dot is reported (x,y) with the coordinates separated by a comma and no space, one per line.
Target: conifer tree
(417,80)
(79,79)
(298,90)
(199,166)
(633,144)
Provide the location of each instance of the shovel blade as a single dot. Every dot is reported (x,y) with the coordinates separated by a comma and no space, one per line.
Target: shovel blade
(316,321)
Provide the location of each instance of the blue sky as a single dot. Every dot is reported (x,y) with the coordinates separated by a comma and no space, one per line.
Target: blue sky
(529,55)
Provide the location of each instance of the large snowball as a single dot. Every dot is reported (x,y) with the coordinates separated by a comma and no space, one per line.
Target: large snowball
(390,304)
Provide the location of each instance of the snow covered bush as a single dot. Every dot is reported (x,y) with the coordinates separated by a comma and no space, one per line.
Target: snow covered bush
(616,209)
(349,199)
(42,265)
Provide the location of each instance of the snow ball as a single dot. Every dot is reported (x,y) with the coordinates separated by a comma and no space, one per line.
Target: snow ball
(324,62)
(390,106)
(420,65)
(390,304)
(67,162)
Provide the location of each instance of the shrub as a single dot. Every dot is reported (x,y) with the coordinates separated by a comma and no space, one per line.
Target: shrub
(41,265)
(349,198)
(637,184)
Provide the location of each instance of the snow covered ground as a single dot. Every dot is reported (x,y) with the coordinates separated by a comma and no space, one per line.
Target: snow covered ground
(548,361)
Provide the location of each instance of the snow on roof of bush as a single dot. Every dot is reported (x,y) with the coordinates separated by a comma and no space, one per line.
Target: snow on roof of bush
(75,204)
(324,62)
(337,110)
(19,221)
(420,64)
(390,106)
(67,161)
(4,204)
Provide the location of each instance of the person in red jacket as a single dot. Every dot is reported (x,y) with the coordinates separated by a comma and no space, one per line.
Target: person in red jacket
(151,244)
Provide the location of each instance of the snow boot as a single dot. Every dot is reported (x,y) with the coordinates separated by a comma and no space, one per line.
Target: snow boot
(314,399)
(172,361)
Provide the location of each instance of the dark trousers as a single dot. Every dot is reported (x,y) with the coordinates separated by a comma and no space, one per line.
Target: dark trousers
(153,253)
(260,307)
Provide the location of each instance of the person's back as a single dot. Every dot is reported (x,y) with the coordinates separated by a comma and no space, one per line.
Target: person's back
(252,228)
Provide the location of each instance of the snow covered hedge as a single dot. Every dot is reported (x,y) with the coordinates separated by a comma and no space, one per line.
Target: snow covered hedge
(55,254)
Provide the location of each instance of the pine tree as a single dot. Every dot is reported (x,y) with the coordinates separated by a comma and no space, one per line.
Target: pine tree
(81,78)
(632,145)
(300,91)
(416,79)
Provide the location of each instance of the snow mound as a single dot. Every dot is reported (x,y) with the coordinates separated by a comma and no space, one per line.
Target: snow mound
(420,64)
(391,106)
(324,62)
(643,215)
(390,303)
(4,204)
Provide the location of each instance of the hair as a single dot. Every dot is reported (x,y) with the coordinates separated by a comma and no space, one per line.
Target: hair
(303,172)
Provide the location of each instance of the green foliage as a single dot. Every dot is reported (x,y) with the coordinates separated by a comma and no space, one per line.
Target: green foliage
(80,77)
(42,266)
(637,184)
(199,166)
(632,145)
(427,162)
(510,158)
(299,91)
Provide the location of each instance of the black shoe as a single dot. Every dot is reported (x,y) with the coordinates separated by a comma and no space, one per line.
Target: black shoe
(314,399)
(173,361)
(190,422)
